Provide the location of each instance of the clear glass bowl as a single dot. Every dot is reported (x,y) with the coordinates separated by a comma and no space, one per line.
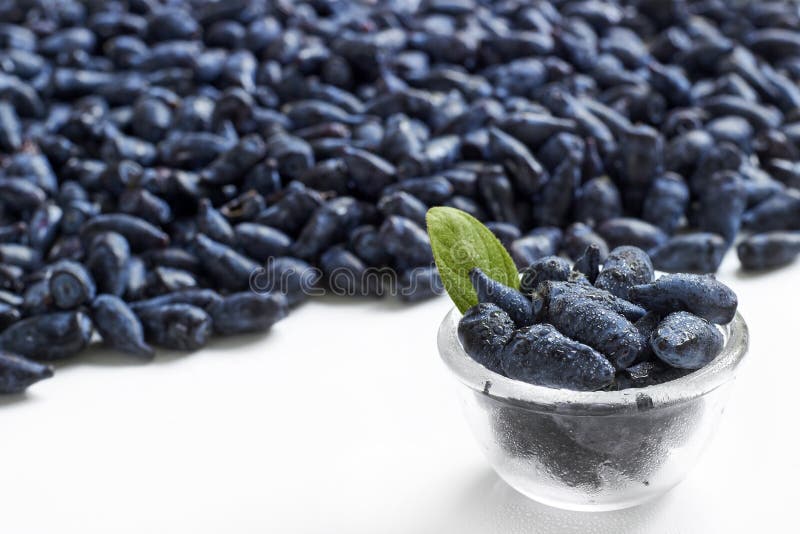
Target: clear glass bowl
(593,451)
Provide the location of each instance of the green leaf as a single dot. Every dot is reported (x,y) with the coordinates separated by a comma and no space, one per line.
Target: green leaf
(461,242)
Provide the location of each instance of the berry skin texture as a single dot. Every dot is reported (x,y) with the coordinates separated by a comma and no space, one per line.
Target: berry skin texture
(666,202)
(140,234)
(505,232)
(686,341)
(768,250)
(18,373)
(71,285)
(781,211)
(590,322)
(553,268)
(291,276)
(329,224)
(702,295)
(624,268)
(247,312)
(109,261)
(629,231)
(550,290)
(722,205)
(597,200)
(346,274)
(588,263)
(541,355)
(176,326)
(420,284)
(578,236)
(51,336)
(554,198)
(530,248)
(484,331)
(514,303)
(228,268)
(212,223)
(527,173)
(646,325)
(406,242)
(201,298)
(695,252)
(119,327)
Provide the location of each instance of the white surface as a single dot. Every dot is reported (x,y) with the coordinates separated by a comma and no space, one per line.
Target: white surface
(343,420)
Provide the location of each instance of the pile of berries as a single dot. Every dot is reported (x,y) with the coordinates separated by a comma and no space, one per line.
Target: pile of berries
(155,154)
(582,328)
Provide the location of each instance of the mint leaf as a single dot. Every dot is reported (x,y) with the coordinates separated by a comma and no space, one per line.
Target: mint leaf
(461,242)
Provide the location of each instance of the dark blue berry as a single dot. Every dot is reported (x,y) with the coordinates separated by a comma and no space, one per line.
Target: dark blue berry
(686,341)
(541,355)
(484,332)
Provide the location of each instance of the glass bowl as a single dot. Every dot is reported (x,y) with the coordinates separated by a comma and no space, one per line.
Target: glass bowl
(593,451)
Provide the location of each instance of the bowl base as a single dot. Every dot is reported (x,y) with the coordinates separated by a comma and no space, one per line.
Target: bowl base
(588,506)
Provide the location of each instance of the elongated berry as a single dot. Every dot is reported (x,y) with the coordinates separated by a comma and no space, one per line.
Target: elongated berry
(702,295)
(119,327)
(539,354)
(71,285)
(624,268)
(514,303)
(200,297)
(50,336)
(176,326)
(592,323)
(484,331)
(247,312)
(686,341)
(229,268)
(696,252)
(768,250)
(108,261)
(549,268)
(18,373)
(550,290)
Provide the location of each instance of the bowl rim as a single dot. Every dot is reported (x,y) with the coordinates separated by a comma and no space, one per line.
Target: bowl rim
(719,371)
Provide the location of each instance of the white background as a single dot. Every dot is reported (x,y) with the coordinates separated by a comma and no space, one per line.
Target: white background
(343,420)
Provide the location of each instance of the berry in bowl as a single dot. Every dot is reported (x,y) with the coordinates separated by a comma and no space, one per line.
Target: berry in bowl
(587,388)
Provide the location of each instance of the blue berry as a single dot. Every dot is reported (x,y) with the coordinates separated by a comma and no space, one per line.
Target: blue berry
(247,312)
(624,268)
(588,264)
(18,373)
(550,290)
(768,250)
(686,341)
(666,202)
(70,285)
(622,231)
(119,327)
(589,321)
(697,252)
(702,295)
(49,336)
(579,236)
(541,355)
(549,268)
(484,331)
(419,284)
(176,326)
(514,303)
